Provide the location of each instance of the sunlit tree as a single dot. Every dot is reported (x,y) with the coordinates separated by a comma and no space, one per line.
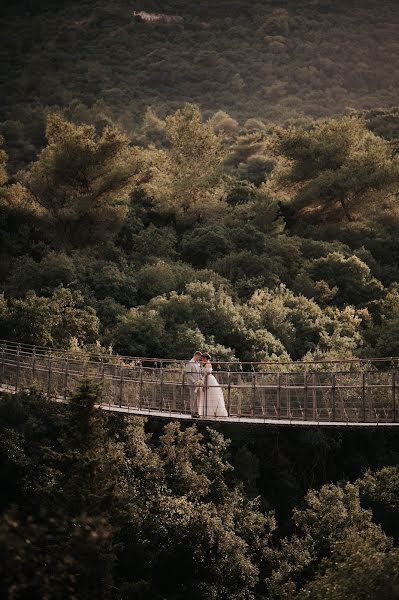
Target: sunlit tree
(188,177)
(81,181)
(335,166)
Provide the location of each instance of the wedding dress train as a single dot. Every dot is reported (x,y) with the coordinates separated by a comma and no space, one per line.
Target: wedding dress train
(211,399)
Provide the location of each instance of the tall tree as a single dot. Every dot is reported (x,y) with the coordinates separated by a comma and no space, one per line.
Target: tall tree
(49,321)
(335,164)
(337,551)
(188,177)
(82,180)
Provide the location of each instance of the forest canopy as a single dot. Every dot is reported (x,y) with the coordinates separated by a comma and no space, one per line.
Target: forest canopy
(279,61)
(160,245)
(105,505)
(176,176)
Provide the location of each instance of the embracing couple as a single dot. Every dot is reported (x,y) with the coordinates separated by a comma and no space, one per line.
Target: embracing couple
(206,395)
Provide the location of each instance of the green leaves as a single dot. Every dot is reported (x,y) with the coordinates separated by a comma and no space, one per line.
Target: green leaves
(337,551)
(123,510)
(187,177)
(50,321)
(81,181)
(100,504)
(347,280)
(335,166)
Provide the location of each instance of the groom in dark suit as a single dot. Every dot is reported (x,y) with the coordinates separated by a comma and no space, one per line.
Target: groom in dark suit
(192,378)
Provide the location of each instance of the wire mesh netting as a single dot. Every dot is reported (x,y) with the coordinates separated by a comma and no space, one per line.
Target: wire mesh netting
(348,392)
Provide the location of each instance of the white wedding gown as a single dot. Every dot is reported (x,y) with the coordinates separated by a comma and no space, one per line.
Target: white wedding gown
(211,399)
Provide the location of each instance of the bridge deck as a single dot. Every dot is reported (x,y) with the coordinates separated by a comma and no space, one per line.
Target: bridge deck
(347,393)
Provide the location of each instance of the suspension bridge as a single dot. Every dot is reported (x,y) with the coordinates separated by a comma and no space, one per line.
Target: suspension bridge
(358,392)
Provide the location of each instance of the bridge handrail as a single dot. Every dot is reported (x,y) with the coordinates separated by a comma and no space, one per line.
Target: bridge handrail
(329,397)
(248,384)
(29,349)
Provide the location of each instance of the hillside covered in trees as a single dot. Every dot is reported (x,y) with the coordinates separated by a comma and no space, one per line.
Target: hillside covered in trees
(276,60)
(176,176)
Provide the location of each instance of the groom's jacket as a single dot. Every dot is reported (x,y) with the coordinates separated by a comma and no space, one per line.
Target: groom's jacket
(192,373)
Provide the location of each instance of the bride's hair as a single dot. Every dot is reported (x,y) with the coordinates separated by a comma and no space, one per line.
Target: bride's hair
(206,356)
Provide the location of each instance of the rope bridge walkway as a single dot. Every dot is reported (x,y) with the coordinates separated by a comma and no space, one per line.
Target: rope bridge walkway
(361,392)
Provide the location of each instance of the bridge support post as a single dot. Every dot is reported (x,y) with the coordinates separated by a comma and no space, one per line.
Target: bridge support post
(364,397)
(228,393)
(253,393)
(333,397)
(161,386)
(3,362)
(121,386)
(141,386)
(65,378)
(314,396)
(279,397)
(305,387)
(33,365)
(102,381)
(50,360)
(206,392)
(18,369)
(183,391)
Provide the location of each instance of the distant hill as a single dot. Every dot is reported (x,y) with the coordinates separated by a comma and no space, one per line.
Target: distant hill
(277,60)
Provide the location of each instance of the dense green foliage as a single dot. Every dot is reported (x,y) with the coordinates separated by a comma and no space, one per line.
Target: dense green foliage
(279,245)
(278,60)
(164,187)
(278,55)
(94,505)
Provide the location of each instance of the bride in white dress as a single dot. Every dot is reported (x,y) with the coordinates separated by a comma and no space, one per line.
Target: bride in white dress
(211,399)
